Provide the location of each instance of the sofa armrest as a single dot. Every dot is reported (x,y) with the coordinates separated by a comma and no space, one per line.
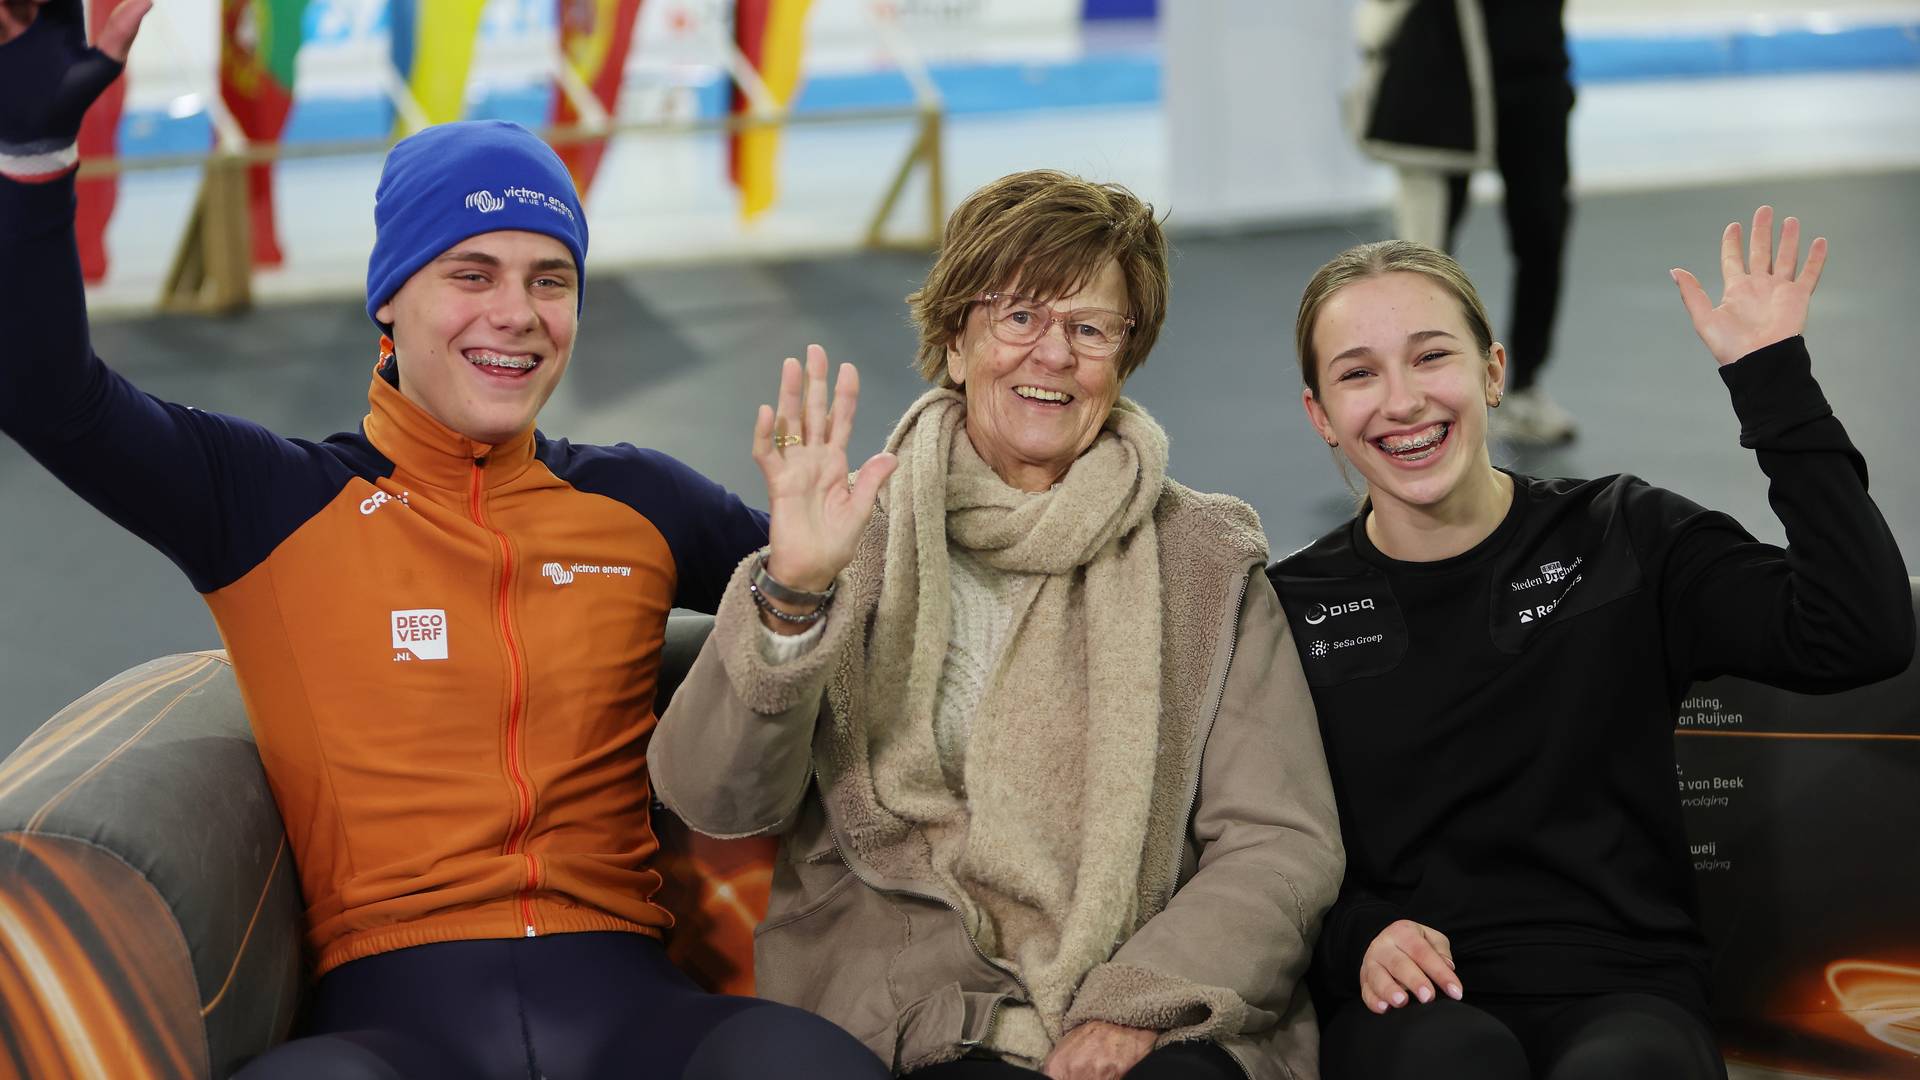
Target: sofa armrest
(149,910)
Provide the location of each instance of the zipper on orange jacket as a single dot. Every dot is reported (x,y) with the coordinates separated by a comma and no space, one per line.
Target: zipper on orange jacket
(516,768)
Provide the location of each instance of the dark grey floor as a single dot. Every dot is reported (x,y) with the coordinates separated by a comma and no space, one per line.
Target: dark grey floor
(678,358)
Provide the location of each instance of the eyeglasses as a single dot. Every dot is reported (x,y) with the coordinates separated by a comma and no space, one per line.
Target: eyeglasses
(1093,333)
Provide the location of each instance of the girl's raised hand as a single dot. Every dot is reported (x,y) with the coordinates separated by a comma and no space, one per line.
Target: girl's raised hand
(1764,301)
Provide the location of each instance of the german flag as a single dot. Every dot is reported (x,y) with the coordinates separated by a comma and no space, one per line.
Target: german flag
(771,34)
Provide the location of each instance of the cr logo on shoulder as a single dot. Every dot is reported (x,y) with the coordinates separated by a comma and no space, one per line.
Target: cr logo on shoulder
(1320,613)
(379,499)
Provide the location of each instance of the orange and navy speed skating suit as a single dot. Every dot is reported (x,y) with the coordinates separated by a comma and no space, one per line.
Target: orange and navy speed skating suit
(448,649)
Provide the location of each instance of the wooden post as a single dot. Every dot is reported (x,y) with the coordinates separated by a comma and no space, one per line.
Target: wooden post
(924,153)
(212,270)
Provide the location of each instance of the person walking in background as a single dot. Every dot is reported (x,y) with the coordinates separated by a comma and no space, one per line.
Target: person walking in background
(1453,86)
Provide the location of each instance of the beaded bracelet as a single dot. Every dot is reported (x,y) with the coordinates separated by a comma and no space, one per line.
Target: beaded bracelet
(760,600)
(763,585)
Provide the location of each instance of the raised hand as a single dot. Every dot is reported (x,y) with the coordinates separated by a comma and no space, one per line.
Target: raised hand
(1763,301)
(49,75)
(817,511)
(1405,963)
(1098,1050)
(116,38)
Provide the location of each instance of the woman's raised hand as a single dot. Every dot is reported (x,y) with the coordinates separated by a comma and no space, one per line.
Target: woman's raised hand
(1763,301)
(818,512)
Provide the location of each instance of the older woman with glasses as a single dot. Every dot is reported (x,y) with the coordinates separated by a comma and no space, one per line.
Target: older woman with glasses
(1033,727)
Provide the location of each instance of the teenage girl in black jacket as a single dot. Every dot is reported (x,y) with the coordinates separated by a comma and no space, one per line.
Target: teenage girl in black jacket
(1496,660)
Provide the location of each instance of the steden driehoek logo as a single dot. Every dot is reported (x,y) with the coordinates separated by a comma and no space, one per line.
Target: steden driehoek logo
(486,202)
(420,634)
(1551,573)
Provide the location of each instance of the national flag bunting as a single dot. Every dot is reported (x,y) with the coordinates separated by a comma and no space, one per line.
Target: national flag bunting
(595,36)
(432,48)
(771,34)
(259,41)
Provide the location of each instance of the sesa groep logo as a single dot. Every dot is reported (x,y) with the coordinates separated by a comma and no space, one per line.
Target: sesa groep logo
(1320,613)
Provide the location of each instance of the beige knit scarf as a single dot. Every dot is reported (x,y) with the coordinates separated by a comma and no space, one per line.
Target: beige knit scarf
(1043,852)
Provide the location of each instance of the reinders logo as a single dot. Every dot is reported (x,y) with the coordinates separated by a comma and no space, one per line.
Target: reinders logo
(1541,611)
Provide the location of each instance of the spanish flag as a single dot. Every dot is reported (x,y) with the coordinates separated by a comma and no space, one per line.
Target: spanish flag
(771,34)
(433,50)
(259,40)
(595,36)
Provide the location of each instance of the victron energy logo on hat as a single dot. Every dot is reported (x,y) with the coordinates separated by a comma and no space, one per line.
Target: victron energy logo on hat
(487,202)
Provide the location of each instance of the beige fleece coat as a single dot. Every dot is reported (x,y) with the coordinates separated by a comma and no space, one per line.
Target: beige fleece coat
(1241,859)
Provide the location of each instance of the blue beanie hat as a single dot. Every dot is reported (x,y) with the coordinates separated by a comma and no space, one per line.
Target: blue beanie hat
(450,182)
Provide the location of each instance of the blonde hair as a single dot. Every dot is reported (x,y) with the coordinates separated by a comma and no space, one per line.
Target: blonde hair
(1053,232)
(1365,261)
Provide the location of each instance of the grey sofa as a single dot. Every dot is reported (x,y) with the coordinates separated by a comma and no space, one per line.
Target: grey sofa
(150,915)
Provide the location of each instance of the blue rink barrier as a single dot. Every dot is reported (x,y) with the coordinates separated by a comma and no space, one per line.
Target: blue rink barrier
(1126,77)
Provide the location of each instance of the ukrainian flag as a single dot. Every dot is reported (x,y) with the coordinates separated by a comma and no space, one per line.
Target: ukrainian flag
(433,51)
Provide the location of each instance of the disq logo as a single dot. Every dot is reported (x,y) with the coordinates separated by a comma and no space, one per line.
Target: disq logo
(1320,613)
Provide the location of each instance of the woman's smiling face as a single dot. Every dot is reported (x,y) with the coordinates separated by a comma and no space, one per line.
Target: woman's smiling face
(1032,410)
(1404,389)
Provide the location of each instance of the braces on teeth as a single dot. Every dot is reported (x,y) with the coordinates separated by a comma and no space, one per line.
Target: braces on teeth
(1428,442)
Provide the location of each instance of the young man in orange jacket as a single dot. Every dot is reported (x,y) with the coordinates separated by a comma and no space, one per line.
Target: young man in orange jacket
(445,624)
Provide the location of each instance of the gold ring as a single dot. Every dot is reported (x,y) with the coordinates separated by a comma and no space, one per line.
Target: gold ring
(781,442)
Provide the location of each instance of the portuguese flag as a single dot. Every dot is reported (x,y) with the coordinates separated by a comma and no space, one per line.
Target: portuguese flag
(258,42)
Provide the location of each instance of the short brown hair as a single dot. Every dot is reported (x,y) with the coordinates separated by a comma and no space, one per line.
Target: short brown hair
(1372,260)
(1053,232)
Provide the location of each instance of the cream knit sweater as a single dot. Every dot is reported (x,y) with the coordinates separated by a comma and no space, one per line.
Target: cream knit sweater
(983,605)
